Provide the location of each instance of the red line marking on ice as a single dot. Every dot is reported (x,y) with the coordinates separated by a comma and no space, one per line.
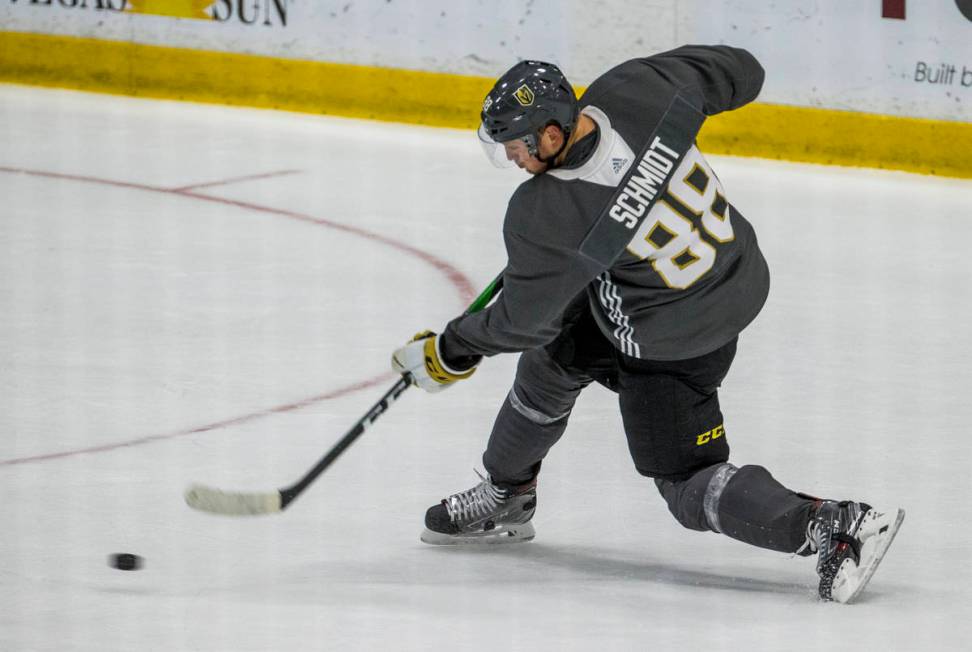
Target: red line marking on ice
(225,182)
(466,291)
(457,278)
(216,425)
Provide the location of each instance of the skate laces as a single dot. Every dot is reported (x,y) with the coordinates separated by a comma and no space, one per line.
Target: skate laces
(810,543)
(833,524)
(478,501)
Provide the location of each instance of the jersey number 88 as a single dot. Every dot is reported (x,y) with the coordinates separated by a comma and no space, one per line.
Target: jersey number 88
(671,241)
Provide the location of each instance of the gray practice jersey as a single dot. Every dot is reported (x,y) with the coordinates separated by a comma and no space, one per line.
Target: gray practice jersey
(691,276)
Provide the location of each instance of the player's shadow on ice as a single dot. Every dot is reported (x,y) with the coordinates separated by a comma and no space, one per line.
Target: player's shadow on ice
(604,564)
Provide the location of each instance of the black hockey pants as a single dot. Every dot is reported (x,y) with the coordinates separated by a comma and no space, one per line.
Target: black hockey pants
(673,425)
(670,409)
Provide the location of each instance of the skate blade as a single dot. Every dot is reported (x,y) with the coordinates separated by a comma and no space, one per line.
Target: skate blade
(851,579)
(499,536)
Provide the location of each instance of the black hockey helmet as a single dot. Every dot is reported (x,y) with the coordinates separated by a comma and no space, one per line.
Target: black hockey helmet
(527,98)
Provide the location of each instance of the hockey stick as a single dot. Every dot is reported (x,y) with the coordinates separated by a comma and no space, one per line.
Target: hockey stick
(233,503)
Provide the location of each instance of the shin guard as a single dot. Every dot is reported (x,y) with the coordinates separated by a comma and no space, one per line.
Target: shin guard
(756,509)
(518,444)
(746,503)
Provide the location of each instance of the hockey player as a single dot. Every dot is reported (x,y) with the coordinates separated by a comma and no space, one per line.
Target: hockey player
(628,266)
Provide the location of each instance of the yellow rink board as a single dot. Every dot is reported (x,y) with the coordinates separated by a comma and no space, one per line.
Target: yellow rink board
(446,100)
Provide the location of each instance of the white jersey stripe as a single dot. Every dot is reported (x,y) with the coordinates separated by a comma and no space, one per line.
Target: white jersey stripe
(610,303)
(610,299)
(623,331)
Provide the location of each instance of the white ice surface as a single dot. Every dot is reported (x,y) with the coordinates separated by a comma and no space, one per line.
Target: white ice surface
(130,311)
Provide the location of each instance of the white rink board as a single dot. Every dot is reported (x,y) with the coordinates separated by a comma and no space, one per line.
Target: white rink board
(843,55)
(822,53)
(131,310)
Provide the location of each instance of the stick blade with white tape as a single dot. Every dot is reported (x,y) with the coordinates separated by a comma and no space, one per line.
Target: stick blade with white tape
(231,503)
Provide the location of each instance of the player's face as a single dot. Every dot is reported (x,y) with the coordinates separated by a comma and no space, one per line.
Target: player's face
(518,152)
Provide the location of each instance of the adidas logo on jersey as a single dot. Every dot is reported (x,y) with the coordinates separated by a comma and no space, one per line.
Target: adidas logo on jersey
(618,164)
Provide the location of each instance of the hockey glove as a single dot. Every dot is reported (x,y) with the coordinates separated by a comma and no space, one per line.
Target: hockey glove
(422,360)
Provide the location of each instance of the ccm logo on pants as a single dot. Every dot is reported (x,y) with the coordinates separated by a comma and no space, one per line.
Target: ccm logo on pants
(709,435)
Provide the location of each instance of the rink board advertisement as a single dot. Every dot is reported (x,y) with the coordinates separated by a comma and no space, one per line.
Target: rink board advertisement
(836,68)
(471,37)
(897,57)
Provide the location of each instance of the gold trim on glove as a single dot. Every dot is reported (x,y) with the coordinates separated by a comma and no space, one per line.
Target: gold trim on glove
(437,369)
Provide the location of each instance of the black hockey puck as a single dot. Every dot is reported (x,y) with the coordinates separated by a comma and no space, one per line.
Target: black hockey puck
(125,561)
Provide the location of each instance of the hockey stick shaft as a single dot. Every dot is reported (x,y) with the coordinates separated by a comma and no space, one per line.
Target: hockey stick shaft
(234,503)
(288,494)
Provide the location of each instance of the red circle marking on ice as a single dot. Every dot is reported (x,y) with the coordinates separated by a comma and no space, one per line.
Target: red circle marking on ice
(466,293)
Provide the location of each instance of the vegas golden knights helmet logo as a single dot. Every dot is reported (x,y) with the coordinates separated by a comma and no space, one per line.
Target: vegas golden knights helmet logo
(524,95)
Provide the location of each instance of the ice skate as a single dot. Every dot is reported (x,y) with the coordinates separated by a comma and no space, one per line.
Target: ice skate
(850,540)
(486,514)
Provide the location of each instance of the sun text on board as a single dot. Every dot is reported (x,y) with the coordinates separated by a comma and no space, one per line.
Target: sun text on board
(270,13)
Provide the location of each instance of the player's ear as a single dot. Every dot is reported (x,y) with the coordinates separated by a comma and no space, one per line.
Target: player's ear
(553,135)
